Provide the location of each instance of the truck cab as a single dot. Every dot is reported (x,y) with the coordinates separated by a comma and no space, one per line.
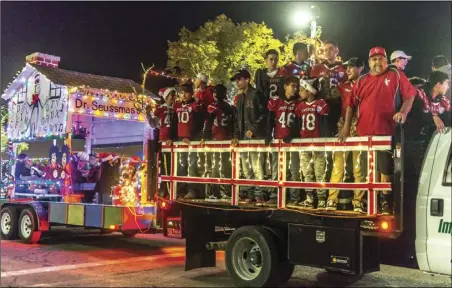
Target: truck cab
(433,207)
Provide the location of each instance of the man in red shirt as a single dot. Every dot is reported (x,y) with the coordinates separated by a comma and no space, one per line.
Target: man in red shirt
(281,124)
(382,98)
(190,116)
(313,114)
(299,67)
(218,127)
(204,93)
(354,68)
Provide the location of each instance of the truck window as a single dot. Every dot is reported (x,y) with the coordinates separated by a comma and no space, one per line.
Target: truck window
(447,180)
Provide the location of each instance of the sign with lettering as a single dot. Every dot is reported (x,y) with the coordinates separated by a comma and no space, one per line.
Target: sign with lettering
(37,110)
(105,107)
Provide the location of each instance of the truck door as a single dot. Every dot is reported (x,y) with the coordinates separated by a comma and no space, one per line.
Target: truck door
(439,222)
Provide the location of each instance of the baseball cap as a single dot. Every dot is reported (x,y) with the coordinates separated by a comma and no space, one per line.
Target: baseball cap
(241,74)
(203,77)
(220,90)
(377,51)
(354,61)
(399,54)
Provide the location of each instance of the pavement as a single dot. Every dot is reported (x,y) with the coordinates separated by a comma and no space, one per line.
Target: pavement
(80,259)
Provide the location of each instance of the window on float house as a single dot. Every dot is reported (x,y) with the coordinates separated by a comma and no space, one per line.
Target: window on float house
(22,94)
(55,91)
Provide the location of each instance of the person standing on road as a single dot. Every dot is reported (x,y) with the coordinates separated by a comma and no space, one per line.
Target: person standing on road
(251,113)
(381,98)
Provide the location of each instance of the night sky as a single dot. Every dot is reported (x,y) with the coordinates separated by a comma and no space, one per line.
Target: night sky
(113,38)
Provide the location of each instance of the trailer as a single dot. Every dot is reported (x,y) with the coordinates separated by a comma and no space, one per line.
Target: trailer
(66,112)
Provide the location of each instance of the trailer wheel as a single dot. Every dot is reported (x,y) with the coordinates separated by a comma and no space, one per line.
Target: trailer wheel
(28,228)
(252,258)
(8,224)
(129,233)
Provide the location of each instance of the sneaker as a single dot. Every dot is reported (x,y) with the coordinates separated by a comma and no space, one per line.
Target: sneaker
(212,198)
(385,208)
(190,195)
(260,201)
(272,202)
(308,204)
(225,198)
(292,203)
(358,207)
(331,205)
(321,205)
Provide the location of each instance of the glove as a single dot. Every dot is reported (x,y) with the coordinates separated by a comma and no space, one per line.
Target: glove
(287,139)
(268,140)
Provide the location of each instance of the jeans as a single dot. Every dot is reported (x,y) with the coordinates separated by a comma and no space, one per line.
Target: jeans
(220,168)
(338,173)
(253,169)
(315,172)
(295,175)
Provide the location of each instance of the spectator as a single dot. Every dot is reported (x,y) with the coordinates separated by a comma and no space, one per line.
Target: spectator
(190,117)
(270,80)
(282,120)
(219,127)
(251,112)
(299,67)
(204,93)
(383,97)
(330,73)
(355,67)
(312,114)
(399,60)
(441,63)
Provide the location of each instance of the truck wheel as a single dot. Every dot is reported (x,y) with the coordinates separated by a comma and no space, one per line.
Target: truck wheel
(8,224)
(129,233)
(252,258)
(28,227)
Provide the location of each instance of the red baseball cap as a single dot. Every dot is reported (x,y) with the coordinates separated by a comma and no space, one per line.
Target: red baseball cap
(377,51)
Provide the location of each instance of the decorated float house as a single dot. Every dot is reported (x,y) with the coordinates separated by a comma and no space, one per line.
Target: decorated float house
(60,113)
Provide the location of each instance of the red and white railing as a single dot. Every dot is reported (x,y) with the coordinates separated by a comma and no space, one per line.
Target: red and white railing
(367,145)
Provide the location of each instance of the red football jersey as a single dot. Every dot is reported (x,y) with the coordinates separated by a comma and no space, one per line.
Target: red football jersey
(185,117)
(302,71)
(345,90)
(164,113)
(285,115)
(376,96)
(206,96)
(223,122)
(310,114)
(336,72)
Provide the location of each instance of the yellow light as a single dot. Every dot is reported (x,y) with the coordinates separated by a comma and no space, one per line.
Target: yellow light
(384,225)
(112,227)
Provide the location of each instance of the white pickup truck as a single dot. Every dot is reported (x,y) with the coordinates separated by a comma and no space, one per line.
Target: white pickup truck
(433,207)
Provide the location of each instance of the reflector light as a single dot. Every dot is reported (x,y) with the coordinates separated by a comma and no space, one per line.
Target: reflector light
(384,225)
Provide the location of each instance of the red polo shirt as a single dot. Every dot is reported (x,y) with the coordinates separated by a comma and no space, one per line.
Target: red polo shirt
(345,89)
(376,96)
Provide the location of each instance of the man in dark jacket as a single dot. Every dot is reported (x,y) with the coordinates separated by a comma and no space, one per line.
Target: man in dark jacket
(249,123)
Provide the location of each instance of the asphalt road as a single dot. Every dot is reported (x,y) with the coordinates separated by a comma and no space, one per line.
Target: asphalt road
(79,260)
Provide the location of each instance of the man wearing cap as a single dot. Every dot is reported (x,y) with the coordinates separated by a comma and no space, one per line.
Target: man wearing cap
(399,59)
(382,98)
(249,123)
(203,92)
(165,115)
(355,67)
(299,67)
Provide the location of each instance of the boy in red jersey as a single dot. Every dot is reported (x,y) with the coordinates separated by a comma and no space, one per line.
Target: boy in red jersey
(218,126)
(204,93)
(281,124)
(313,124)
(190,117)
(299,67)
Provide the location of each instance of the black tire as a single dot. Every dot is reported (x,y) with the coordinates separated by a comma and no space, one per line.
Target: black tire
(10,216)
(269,256)
(28,227)
(129,233)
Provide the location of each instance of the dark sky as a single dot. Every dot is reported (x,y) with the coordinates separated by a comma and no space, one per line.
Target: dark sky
(113,38)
